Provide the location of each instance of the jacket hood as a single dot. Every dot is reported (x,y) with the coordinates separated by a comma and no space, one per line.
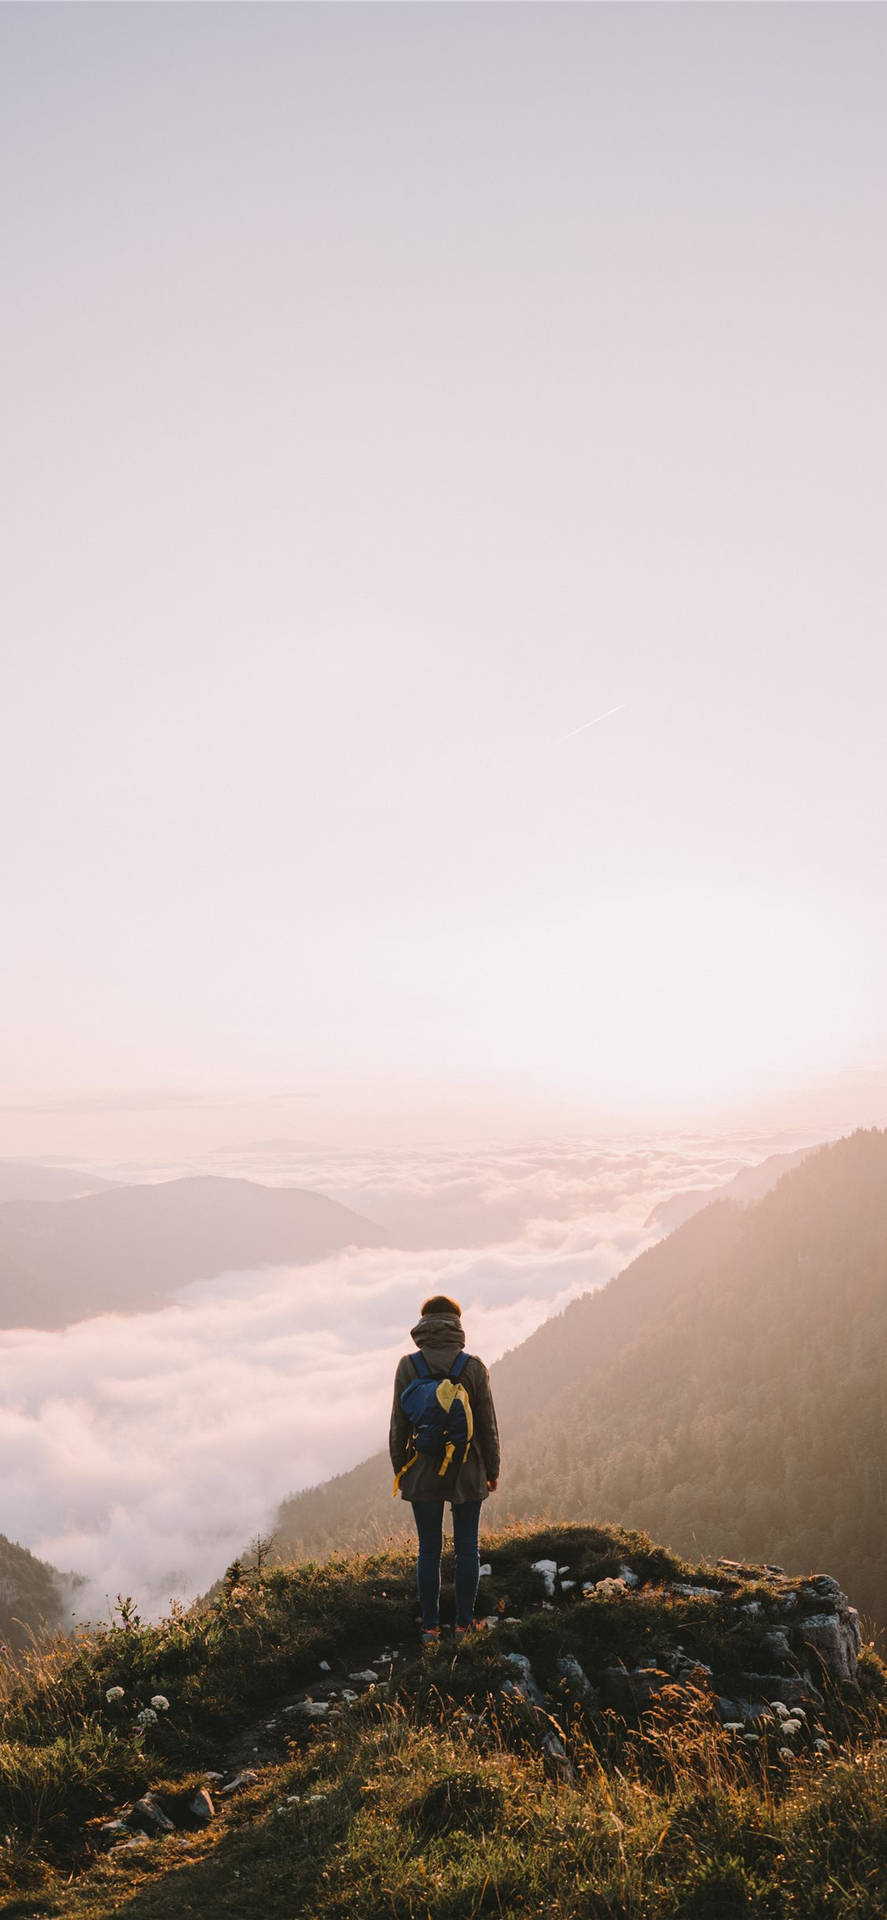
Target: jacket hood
(440,1336)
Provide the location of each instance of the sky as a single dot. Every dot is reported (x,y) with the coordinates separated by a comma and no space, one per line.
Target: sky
(387,393)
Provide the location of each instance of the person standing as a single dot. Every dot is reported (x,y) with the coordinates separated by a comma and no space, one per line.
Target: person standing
(425,1479)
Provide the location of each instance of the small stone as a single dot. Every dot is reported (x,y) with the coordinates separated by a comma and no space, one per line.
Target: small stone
(485,1571)
(348,1695)
(576,1680)
(149,1815)
(325,1666)
(566,1585)
(367,1676)
(629,1576)
(547,1569)
(563,1570)
(247,1778)
(201,1806)
(527,1685)
(312,1709)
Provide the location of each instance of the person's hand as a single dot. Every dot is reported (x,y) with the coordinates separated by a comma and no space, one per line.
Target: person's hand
(492,1485)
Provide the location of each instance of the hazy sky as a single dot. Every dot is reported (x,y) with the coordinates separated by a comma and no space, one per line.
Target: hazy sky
(387,392)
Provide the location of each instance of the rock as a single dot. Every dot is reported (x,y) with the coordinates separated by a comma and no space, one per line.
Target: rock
(112,1829)
(837,1639)
(693,1592)
(201,1806)
(563,1570)
(753,1607)
(311,1709)
(566,1585)
(527,1684)
(547,1569)
(148,1815)
(823,1587)
(215,1779)
(728,1710)
(576,1681)
(325,1666)
(129,1846)
(775,1570)
(777,1643)
(556,1760)
(686,1669)
(630,1578)
(793,1689)
(484,1572)
(630,1692)
(367,1677)
(758,1715)
(245,1779)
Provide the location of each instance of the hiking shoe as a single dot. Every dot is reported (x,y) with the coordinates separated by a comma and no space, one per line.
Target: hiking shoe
(472,1627)
(430,1636)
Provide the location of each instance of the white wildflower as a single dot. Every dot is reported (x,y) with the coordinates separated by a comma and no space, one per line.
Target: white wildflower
(785,1753)
(147,1717)
(160,1703)
(113,1693)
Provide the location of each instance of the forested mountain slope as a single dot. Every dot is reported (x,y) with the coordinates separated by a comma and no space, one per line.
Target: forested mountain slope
(132,1247)
(30,1594)
(750,1184)
(728,1390)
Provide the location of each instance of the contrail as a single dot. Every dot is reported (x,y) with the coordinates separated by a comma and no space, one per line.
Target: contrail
(589,723)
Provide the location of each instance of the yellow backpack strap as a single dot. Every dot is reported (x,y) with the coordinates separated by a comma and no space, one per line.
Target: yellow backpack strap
(399,1476)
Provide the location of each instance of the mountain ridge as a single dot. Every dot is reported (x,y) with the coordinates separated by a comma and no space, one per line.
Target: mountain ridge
(130,1248)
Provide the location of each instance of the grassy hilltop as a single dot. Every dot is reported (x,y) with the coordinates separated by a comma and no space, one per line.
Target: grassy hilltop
(572,1761)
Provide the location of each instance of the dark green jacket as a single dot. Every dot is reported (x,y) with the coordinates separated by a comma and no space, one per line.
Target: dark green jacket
(440,1337)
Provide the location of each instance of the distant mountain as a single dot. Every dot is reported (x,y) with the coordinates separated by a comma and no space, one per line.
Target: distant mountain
(27,1180)
(30,1594)
(132,1248)
(751,1183)
(726,1390)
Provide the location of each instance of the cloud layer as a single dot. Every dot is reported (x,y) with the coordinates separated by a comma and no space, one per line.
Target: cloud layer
(144,1452)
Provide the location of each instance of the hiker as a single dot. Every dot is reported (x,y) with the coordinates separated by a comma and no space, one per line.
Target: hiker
(444,1446)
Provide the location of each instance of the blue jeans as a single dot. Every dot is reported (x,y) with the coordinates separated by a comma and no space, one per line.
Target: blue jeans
(429,1526)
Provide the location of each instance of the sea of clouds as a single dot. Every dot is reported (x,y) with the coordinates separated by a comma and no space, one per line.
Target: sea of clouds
(145,1451)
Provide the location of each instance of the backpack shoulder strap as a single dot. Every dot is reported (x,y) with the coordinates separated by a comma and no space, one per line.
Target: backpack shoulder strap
(423,1371)
(459,1365)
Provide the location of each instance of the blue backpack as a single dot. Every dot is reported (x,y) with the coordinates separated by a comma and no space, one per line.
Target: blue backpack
(439,1412)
